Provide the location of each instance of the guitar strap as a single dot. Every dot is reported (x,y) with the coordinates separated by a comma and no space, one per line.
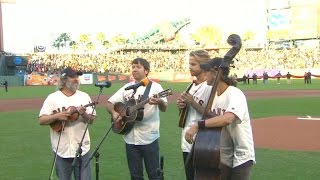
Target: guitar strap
(146,92)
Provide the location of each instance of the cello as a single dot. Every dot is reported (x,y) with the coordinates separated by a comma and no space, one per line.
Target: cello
(205,152)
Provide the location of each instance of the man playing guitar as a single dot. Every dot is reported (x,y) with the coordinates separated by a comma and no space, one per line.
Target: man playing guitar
(142,141)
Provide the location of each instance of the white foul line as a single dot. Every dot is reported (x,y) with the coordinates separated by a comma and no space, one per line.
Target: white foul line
(309,118)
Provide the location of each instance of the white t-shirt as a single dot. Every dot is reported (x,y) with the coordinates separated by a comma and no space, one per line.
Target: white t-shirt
(73,131)
(201,94)
(237,145)
(146,131)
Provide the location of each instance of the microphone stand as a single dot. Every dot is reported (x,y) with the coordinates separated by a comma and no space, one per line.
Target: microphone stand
(79,150)
(160,171)
(95,153)
(56,153)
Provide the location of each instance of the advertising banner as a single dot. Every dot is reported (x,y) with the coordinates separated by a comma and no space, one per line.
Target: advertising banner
(86,79)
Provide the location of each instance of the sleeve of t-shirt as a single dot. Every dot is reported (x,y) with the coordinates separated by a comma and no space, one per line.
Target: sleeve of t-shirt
(46,108)
(237,105)
(159,89)
(117,97)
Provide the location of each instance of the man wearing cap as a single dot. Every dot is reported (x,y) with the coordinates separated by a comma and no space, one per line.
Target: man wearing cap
(236,146)
(59,108)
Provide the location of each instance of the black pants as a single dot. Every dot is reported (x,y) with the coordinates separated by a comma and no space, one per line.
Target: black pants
(189,169)
(149,153)
(241,172)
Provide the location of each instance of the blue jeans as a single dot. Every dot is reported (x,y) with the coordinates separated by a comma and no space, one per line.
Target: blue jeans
(149,153)
(64,168)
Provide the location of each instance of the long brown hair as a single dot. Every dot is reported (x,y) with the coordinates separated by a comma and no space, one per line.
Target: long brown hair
(200,55)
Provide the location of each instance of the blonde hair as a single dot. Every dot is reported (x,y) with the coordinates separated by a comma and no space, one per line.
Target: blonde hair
(200,55)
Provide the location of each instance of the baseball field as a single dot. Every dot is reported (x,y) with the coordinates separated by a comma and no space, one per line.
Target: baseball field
(287,147)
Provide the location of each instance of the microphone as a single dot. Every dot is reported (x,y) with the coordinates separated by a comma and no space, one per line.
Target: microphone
(103,84)
(143,82)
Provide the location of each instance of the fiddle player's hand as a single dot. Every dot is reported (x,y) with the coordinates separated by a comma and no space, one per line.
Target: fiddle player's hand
(81,110)
(191,132)
(62,116)
(180,103)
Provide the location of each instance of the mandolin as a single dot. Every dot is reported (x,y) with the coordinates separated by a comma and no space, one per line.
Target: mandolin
(131,112)
(58,125)
(184,111)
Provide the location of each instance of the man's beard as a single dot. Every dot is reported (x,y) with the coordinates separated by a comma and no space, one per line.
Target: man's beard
(72,86)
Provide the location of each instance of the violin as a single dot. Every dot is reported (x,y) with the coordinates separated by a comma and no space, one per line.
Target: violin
(58,125)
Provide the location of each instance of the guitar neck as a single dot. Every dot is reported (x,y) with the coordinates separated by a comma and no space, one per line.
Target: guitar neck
(139,105)
(184,111)
(90,104)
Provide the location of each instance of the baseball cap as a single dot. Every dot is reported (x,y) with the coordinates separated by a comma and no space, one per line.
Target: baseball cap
(211,64)
(70,72)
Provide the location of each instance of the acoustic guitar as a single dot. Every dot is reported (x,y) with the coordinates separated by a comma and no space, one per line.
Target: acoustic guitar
(58,125)
(184,111)
(131,112)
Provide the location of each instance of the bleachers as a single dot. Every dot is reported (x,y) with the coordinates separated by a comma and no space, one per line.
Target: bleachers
(168,60)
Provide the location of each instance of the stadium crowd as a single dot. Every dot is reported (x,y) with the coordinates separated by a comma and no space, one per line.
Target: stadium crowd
(174,60)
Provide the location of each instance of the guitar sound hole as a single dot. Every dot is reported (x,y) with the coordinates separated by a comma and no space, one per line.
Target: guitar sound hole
(128,112)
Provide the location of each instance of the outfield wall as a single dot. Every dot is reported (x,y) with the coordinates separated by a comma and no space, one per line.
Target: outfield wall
(2,65)
(42,79)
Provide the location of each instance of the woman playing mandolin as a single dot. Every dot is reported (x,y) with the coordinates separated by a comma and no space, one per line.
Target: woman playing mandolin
(230,106)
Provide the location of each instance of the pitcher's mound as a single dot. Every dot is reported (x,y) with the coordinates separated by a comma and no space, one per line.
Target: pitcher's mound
(287,133)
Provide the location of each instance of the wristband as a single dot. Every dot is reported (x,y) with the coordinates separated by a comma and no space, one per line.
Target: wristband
(201,124)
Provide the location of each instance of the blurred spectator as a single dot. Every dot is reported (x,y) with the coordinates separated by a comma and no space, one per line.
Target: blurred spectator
(265,78)
(306,78)
(244,79)
(278,77)
(288,78)
(254,78)
(309,77)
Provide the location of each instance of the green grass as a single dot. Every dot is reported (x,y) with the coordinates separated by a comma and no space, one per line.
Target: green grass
(26,152)
(299,106)
(286,165)
(20,92)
